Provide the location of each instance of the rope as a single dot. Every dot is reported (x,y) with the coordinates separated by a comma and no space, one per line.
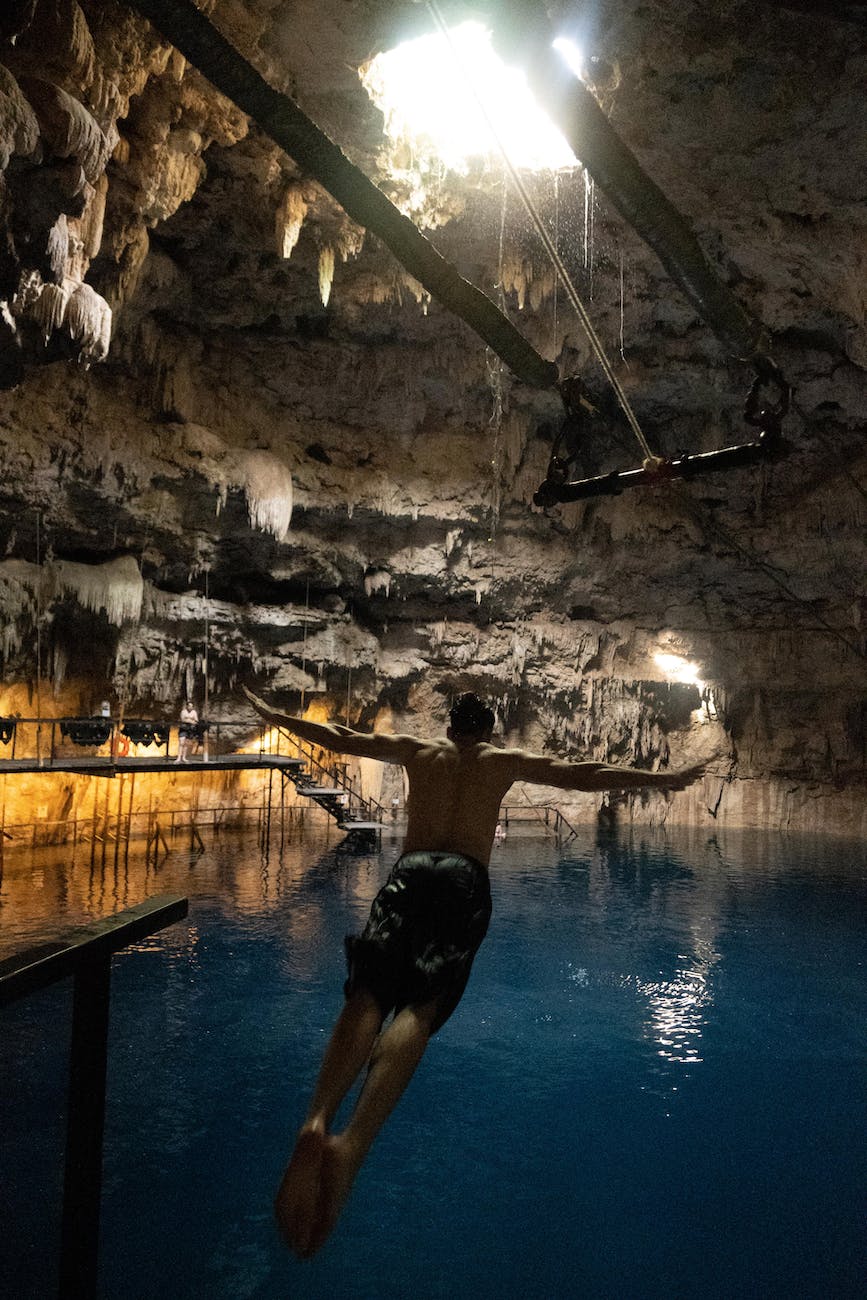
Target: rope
(304,645)
(556,259)
(207,645)
(39,636)
(554,322)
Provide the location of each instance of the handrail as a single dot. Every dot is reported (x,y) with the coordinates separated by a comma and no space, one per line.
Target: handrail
(35,968)
(86,955)
(368,805)
(564,821)
(47,756)
(535,813)
(205,814)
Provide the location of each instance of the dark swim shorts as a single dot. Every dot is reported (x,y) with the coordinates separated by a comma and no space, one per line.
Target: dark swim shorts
(424,929)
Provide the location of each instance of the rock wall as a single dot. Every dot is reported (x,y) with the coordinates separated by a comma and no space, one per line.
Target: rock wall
(236,435)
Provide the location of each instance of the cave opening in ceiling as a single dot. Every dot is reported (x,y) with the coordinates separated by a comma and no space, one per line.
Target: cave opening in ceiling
(678,669)
(440,93)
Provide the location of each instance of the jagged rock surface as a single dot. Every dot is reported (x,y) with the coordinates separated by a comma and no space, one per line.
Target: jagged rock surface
(342,493)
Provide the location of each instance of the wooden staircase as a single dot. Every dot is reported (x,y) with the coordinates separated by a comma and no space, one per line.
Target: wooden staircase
(339,795)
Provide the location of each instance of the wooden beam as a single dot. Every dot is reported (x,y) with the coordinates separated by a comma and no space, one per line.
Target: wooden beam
(187,28)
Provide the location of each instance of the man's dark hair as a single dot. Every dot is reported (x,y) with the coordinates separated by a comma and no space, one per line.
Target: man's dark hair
(470,716)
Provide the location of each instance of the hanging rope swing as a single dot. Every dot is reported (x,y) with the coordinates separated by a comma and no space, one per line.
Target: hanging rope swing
(558,487)
(766,415)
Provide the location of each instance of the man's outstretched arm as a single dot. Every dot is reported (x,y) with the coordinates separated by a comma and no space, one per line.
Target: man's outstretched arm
(541,770)
(340,739)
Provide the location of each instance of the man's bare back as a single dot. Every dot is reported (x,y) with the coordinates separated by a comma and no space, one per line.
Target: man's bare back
(455,792)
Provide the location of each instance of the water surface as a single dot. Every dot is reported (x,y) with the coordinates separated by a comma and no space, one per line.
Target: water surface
(653,1087)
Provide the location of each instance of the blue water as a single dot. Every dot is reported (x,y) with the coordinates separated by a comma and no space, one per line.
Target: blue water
(654,1086)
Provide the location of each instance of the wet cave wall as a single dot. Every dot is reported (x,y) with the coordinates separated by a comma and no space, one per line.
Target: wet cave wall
(237,436)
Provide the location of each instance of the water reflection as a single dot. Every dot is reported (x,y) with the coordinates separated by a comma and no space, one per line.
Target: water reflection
(649,896)
(611,974)
(45,892)
(677,1008)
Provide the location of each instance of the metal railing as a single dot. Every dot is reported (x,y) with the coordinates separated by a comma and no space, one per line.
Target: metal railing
(45,737)
(86,956)
(335,771)
(545,814)
(109,736)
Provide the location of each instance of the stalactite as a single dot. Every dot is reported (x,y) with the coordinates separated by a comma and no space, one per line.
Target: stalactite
(80,43)
(519,659)
(326,274)
(19,129)
(58,248)
(76,307)
(115,588)
(87,228)
(20,582)
(289,218)
(267,485)
(527,281)
(56,39)
(391,288)
(69,130)
(88,320)
(378,580)
(350,241)
(49,308)
(436,635)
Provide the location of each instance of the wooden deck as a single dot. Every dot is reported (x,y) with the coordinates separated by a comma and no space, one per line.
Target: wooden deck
(339,799)
(105,765)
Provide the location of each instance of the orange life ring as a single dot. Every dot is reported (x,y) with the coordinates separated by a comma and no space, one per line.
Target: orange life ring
(121,746)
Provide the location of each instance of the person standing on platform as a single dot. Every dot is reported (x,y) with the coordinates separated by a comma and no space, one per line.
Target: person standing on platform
(188,731)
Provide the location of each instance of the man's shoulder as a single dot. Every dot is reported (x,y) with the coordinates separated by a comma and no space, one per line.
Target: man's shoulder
(501,754)
(430,746)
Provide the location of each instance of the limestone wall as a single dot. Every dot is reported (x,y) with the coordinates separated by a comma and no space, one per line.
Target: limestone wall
(207,467)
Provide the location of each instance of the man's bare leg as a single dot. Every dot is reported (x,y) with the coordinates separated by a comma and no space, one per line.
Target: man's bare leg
(397,1053)
(349,1049)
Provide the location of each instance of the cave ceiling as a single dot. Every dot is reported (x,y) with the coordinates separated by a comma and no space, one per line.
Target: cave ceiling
(414,453)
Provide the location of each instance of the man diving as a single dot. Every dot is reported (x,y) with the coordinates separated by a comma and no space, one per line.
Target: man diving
(425,927)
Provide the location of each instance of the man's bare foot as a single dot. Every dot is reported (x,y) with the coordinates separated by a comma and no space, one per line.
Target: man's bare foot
(298,1194)
(340,1164)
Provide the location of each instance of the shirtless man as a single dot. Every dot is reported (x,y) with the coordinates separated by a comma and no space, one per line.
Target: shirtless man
(425,926)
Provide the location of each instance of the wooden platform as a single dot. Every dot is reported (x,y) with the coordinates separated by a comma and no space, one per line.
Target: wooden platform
(105,765)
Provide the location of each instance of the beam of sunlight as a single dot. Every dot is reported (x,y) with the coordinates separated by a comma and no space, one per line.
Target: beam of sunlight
(425,90)
(678,669)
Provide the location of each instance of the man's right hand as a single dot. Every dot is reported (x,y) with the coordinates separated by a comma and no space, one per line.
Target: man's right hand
(685,776)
